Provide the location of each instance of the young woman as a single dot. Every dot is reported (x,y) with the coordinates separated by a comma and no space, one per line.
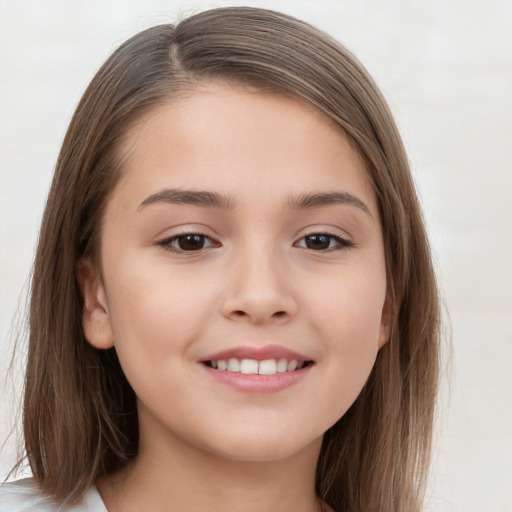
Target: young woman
(233,302)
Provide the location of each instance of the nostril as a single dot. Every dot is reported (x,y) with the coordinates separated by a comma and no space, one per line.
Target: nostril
(258,316)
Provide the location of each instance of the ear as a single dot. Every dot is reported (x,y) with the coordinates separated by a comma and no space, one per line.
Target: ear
(385,321)
(95,316)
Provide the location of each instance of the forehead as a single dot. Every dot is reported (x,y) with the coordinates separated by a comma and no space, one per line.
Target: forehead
(218,135)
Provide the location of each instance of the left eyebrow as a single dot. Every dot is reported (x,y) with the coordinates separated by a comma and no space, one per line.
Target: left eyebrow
(201,198)
(318,200)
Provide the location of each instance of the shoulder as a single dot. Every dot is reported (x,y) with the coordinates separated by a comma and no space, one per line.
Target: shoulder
(25,496)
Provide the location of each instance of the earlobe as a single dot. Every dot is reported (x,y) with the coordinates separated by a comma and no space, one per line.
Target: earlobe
(95,316)
(385,322)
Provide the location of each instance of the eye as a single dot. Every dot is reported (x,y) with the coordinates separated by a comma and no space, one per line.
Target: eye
(188,242)
(323,242)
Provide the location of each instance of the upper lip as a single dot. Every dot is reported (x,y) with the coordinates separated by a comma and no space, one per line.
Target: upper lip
(257,353)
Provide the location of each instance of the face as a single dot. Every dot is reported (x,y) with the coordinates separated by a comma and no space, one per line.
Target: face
(243,275)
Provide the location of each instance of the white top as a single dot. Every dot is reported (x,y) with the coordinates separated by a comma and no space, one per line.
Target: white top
(24,496)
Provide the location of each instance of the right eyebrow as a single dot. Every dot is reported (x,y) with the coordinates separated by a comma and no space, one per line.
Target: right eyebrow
(318,200)
(202,198)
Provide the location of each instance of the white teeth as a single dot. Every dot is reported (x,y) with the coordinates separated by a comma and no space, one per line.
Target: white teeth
(282,365)
(233,365)
(249,366)
(253,367)
(292,365)
(268,367)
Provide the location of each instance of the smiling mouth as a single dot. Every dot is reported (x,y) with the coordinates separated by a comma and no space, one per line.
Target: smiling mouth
(256,367)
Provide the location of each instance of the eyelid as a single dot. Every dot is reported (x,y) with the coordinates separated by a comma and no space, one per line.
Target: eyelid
(166,242)
(343,241)
(186,229)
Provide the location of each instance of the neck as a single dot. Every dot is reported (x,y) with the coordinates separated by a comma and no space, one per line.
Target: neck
(185,478)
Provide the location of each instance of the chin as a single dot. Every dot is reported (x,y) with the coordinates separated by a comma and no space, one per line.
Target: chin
(262,447)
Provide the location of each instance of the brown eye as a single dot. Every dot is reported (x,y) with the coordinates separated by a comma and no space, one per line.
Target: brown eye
(190,242)
(318,242)
(323,242)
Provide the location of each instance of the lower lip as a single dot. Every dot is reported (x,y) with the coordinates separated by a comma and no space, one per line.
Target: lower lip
(251,383)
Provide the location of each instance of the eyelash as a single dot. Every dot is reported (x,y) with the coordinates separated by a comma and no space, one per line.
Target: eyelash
(167,243)
(341,243)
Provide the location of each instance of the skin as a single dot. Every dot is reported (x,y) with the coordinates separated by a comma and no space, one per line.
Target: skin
(255,281)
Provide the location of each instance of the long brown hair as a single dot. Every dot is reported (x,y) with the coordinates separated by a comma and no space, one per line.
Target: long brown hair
(80,416)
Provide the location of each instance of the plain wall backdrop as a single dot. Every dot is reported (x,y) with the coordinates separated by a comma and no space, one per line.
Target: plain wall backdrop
(445,68)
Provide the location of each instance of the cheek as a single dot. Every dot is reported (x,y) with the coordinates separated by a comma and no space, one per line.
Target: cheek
(347,316)
(153,332)
(156,313)
(349,308)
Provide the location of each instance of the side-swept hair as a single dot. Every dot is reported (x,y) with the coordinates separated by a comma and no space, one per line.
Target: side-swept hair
(80,415)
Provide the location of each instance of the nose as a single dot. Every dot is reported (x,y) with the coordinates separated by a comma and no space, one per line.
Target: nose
(258,290)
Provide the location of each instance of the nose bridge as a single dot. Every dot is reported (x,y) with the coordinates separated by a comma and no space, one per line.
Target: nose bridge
(259,288)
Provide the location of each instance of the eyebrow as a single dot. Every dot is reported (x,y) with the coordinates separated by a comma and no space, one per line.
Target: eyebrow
(318,200)
(207,199)
(192,197)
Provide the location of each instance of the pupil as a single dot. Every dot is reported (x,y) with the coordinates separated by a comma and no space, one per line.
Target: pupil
(318,242)
(191,242)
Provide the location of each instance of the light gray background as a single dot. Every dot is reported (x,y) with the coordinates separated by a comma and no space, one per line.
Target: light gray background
(446,70)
